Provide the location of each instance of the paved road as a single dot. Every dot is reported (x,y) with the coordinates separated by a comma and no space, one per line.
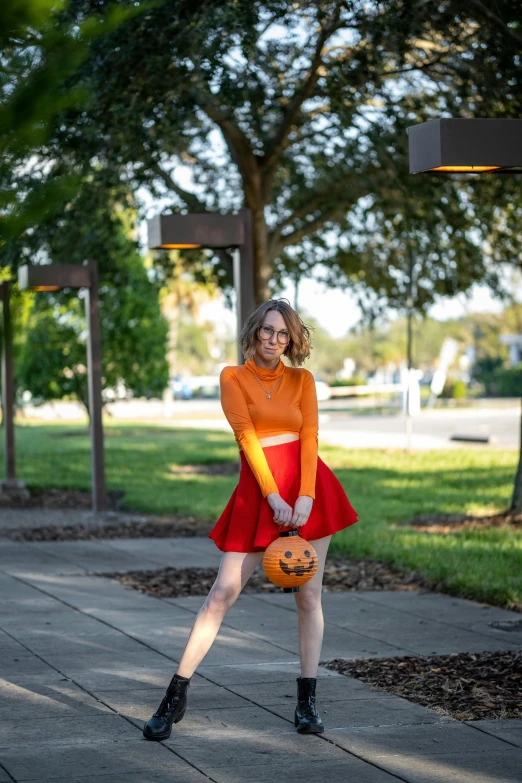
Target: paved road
(84,662)
(432,429)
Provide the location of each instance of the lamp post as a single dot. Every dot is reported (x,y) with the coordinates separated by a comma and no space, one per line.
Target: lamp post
(470,146)
(210,230)
(53,277)
(10,483)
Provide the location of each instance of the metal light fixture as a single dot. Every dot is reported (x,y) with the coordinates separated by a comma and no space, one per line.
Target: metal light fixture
(210,230)
(473,146)
(53,277)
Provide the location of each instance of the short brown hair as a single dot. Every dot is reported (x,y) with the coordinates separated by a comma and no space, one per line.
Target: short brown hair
(298,348)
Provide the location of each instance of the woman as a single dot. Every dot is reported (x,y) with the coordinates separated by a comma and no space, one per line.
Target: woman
(272,409)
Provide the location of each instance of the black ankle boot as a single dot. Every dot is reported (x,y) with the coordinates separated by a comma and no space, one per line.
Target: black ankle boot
(307,718)
(171,710)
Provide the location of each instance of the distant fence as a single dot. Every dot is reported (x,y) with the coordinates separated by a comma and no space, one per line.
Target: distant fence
(378,388)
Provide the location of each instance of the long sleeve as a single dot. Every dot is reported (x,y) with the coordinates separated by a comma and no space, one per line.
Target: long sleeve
(309,435)
(236,410)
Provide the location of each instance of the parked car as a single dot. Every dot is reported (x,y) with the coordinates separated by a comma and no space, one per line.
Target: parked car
(190,387)
(181,389)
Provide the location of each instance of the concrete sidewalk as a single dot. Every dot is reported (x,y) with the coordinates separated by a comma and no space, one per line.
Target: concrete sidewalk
(84,662)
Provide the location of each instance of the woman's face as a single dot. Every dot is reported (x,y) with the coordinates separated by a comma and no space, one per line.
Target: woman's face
(270,350)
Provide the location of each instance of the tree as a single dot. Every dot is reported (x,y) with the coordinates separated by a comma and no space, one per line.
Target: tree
(287,109)
(40,52)
(278,106)
(288,95)
(134,333)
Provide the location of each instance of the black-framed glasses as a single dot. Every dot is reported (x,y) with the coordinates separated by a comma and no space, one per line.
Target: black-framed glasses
(267,332)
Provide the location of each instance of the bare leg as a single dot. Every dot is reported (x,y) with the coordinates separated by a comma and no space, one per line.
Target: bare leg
(235,570)
(310,613)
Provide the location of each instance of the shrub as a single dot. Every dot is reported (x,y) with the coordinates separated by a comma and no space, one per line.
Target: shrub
(499,381)
(509,382)
(459,390)
(355,381)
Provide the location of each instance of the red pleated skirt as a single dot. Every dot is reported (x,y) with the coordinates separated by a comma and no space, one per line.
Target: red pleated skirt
(247,522)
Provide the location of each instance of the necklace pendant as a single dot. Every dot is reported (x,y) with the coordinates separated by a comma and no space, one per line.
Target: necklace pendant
(268,396)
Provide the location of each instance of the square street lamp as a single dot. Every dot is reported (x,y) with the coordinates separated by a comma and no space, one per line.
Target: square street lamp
(210,230)
(466,145)
(53,277)
(475,146)
(10,483)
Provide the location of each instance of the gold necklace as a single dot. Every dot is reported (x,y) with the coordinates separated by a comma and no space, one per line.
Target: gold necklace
(268,393)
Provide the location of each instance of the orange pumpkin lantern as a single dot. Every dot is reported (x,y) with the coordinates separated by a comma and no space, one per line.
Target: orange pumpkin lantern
(290,561)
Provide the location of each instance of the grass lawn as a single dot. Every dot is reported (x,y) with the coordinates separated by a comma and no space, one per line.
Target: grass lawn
(386,488)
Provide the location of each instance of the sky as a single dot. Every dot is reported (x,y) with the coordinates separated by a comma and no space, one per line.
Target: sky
(336,311)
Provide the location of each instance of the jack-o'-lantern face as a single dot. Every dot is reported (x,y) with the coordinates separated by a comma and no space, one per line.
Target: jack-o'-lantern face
(294,564)
(290,561)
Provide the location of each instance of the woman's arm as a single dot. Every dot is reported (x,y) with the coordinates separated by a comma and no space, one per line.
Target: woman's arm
(309,435)
(236,410)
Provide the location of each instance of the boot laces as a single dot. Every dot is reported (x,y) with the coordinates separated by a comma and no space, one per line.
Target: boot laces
(168,702)
(307,706)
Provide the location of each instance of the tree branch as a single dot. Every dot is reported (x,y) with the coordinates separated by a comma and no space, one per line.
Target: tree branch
(498,21)
(237,142)
(300,213)
(191,200)
(280,139)
(418,66)
(361,187)
(309,228)
(312,204)
(314,133)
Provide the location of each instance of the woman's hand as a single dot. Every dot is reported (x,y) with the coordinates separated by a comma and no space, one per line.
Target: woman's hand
(282,511)
(303,507)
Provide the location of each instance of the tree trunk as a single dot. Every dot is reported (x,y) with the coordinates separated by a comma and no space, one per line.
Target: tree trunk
(263,264)
(516,502)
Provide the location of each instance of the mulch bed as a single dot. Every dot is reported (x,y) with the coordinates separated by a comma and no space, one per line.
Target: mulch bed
(464,686)
(340,575)
(57,498)
(454,523)
(116,522)
(128,526)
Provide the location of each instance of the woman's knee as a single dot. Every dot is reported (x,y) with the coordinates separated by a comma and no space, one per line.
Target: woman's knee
(221,598)
(308,600)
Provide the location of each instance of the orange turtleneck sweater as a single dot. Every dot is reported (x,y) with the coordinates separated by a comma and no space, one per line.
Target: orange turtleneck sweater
(291,408)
